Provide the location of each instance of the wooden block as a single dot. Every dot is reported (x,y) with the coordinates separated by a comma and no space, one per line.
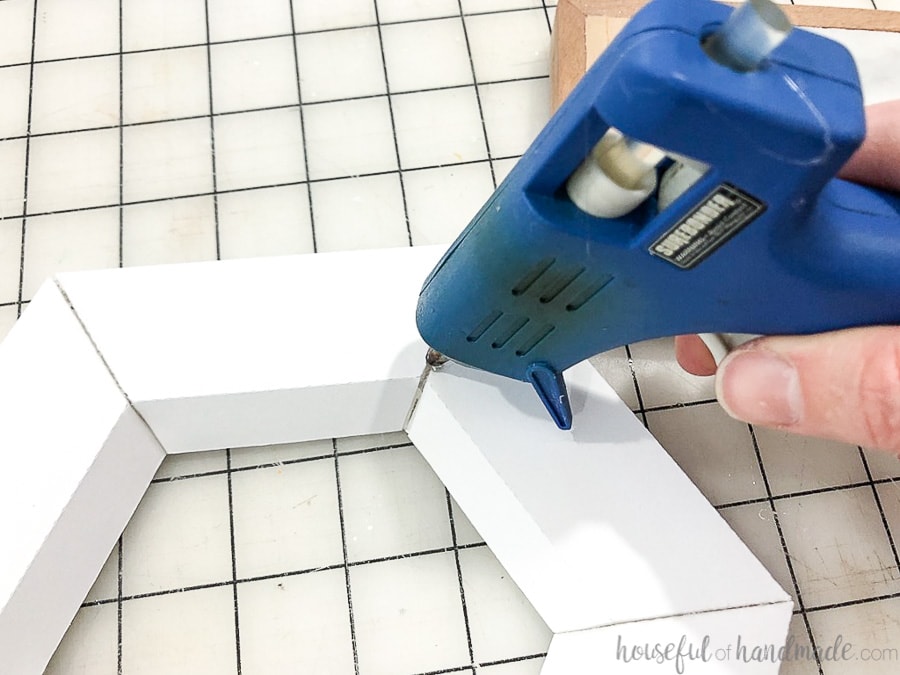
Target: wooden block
(261,351)
(76,461)
(583,28)
(739,641)
(598,526)
(218,355)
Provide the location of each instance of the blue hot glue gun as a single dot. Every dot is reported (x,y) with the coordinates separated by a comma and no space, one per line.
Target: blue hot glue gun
(685,186)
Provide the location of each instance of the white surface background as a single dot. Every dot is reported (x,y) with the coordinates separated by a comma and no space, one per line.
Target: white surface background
(136,132)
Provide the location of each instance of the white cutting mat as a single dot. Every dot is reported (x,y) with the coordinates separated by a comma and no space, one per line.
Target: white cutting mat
(178,130)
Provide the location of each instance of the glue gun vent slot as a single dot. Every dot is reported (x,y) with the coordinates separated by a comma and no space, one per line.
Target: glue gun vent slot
(583,296)
(532,275)
(558,285)
(483,326)
(505,333)
(534,339)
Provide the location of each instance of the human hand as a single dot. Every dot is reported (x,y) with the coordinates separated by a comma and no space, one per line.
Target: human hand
(843,385)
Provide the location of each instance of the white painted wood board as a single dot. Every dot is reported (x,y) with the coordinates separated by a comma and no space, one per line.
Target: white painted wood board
(726,642)
(259,351)
(76,461)
(597,525)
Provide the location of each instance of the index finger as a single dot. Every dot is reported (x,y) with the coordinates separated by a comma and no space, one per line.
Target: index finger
(877,162)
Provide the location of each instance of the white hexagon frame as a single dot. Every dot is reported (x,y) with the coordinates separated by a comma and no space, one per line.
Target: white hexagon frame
(109,371)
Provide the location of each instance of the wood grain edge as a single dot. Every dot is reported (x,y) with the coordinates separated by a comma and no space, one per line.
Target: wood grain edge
(583,28)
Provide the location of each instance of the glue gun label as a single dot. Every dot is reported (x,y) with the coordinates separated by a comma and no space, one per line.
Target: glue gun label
(720,216)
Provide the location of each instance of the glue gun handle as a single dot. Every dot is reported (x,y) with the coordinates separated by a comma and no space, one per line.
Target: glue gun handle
(850,246)
(852,238)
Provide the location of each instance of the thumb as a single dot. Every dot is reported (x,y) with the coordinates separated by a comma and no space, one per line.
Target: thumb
(843,385)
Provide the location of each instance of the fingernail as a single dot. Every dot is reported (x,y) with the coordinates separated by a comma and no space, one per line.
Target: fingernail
(760,387)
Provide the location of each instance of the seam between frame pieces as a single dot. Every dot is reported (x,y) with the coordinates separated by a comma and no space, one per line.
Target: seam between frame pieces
(106,365)
(700,612)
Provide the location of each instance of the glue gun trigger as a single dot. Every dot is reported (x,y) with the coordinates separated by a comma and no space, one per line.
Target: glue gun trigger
(722,344)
